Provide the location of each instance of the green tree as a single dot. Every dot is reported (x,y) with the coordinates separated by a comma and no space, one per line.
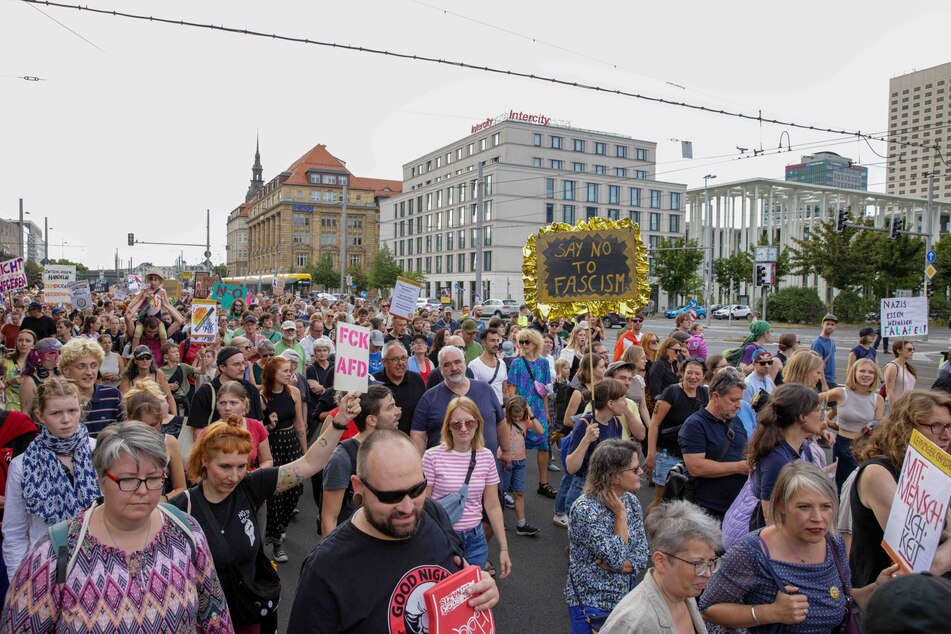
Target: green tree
(383,270)
(221,270)
(324,274)
(80,268)
(677,270)
(34,273)
(359,278)
(899,263)
(730,272)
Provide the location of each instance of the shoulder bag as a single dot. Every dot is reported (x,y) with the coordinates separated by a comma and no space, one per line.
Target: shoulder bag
(850,622)
(249,600)
(680,484)
(455,502)
(540,388)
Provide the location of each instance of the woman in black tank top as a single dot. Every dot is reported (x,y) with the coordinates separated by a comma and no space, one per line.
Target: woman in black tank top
(284,420)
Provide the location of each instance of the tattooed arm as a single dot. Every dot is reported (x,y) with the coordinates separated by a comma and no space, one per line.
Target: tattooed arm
(316,458)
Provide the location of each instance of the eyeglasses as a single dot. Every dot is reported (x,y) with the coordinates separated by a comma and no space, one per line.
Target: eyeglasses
(397,359)
(701,567)
(395,497)
(132,484)
(937,428)
(909,349)
(638,469)
(144,357)
(525,342)
(458,424)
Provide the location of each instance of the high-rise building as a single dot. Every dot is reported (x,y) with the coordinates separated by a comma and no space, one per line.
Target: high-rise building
(535,171)
(828,169)
(295,219)
(919,112)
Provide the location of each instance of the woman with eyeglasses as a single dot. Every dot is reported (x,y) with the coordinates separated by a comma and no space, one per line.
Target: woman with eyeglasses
(881,456)
(900,375)
(79,361)
(462,467)
(143,367)
(129,547)
(607,545)
(663,371)
(53,479)
(791,576)
(683,543)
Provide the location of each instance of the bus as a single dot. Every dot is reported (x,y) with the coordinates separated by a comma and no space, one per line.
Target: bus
(296,283)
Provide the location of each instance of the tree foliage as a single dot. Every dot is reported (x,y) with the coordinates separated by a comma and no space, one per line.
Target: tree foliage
(732,271)
(34,273)
(324,274)
(80,267)
(677,269)
(795,306)
(383,270)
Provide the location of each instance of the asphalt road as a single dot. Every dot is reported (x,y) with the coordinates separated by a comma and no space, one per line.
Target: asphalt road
(532,598)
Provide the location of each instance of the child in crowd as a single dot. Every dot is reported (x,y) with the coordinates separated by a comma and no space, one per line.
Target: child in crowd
(696,345)
(520,419)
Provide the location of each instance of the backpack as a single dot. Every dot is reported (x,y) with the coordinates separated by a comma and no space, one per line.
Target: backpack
(59,538)
(733,356)
(347,507)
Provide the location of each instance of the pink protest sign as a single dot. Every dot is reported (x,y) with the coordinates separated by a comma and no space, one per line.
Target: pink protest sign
(352,365)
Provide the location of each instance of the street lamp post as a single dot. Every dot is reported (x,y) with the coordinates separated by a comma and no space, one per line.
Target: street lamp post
(709,245)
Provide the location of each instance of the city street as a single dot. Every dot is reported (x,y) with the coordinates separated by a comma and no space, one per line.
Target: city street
(533,596)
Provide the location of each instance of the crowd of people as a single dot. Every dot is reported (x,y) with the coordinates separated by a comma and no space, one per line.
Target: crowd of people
(139,461)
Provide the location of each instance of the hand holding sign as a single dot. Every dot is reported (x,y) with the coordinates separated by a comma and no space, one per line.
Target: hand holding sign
(352,365)
(348,409)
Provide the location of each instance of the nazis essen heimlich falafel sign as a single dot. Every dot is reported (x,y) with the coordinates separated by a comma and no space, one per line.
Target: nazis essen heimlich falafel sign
(586,266)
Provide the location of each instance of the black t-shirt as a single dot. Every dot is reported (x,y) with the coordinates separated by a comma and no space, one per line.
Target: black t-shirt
(406,395)
(235,515)
(681,407)
(353,582)
(201,407)
(43,326)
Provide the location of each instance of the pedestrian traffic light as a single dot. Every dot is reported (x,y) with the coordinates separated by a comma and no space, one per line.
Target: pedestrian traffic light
(894,230)
(840,221)
(131,239)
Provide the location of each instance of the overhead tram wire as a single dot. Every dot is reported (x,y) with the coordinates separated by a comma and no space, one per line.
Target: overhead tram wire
(488,69)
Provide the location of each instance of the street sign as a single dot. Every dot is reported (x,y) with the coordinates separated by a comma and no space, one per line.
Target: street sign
(930,271)
(931,256)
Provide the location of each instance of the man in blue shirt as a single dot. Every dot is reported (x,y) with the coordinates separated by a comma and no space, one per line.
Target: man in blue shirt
(713,441)
(758,380)
(824,346)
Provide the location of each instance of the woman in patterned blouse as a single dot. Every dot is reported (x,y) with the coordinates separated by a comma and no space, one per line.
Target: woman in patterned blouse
(133,567)
(606,536)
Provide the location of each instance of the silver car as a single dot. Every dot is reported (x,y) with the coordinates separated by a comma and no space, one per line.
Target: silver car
(500,307)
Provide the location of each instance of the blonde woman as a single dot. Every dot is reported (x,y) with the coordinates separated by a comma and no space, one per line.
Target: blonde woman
(578,345)
(806,367)
(143,402)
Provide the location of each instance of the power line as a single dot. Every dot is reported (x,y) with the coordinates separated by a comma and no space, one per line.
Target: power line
(35,8)
(488,69)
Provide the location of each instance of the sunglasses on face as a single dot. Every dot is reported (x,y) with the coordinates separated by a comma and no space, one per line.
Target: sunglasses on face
(638,321)
(459,424)
(395,497)
(765,362)
(144,357)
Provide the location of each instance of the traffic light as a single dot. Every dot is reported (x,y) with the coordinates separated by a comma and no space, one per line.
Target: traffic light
(894,231)
(761,275)
(930,290)
(131,239)
(840,221)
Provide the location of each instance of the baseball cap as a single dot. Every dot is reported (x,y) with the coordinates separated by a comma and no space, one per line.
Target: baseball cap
(376,338)
(682,337)
(830,317)
(288,325)
(469,325)
(421,337)
(49,344)
(617,365)
(141,351)
(866,332)
(35,306)
(762,355)
(248,319)
(290,355)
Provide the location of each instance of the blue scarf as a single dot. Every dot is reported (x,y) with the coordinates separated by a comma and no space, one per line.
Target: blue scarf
(46,489)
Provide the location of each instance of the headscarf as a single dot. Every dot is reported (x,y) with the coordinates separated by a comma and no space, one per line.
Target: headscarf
(757,329)
(46,488)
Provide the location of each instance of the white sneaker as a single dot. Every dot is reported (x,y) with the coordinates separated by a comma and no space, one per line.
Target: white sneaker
(560,520)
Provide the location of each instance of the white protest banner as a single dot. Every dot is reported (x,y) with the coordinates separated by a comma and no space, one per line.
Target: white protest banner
(920,506)
(12,275)
(204,321)
(405,296)
(904,316)
(79,295)
(352,366)
(55,280)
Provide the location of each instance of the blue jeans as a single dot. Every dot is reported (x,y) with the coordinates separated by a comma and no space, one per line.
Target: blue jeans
(477,550)
(842,452)
(513,478)
(577,621)
(561,508)
(574,489)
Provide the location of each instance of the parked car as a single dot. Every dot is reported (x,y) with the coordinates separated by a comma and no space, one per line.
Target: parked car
(500,307)
(699,311)
(429,303)
(613,319)
(738,311)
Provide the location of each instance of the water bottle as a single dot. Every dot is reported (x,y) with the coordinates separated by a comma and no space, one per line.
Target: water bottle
(664,457)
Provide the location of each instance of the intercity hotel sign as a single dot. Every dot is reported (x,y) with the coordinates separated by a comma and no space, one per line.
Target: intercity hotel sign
(516,115)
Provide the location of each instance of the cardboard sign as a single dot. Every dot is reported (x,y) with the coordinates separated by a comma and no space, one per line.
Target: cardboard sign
(55,280)
(586,266)
(100,286)
(204,326)
(405,295)
(203,283)
(227,293)
(904,316)
(173,289)
(352,364)
(920,507)
(79,295)
(12,275)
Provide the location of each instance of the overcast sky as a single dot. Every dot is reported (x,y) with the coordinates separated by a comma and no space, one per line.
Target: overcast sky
(150,125)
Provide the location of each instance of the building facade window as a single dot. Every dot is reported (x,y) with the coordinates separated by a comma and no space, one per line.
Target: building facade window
(614,194)
(556,164)
(600,148)
(449,264)
(592,196)
(537,140)
(569,214)
(640,175)
(549,214)
(675,200)
(655,199)
(569,190)
(557,142)
(591,212)
(577,167)
(613,214)
(654,222)
(620,172)
(621,151)
(487,261)
(601,169)
(301,259)
(634,195)
(496,139)
(549,188)
(641,154)
(674,223)
(536,161)
(577,145)
(487,238)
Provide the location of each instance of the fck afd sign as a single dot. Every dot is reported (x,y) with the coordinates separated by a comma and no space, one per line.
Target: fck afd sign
(352,367)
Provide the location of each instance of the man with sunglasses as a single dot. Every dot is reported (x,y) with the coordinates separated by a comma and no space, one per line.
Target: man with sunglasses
(394,547)
(713,442)
(759,386)
(631,336)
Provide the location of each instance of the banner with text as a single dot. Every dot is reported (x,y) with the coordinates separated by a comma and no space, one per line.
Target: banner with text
(12,275)
(79,295)
(405,296)
(204,321)
(56,277)
(228,293)
(352,365)
(920,506)
(904,317)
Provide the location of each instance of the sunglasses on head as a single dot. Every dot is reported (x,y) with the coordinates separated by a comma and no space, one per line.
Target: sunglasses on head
(395,497)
